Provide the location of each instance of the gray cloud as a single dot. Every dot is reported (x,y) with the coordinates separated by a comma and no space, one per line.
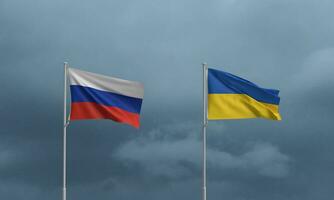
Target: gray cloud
(177,158)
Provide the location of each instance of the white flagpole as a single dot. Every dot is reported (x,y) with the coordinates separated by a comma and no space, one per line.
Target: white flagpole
(65,127)
(205,123)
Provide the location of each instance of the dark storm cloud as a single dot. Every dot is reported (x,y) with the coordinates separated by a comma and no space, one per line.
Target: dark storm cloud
(279,44)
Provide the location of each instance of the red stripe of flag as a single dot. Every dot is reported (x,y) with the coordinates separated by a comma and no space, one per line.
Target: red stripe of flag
(89,110)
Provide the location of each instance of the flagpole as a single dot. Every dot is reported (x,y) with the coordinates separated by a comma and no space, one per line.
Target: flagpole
(65,128)
(205,123)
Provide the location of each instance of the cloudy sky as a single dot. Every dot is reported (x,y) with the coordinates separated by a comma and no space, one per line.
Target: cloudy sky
(286,44)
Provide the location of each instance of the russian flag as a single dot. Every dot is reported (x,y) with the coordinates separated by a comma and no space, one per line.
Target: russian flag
(95,96)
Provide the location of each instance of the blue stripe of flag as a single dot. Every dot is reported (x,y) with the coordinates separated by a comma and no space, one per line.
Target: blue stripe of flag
(87,94)
(220,82)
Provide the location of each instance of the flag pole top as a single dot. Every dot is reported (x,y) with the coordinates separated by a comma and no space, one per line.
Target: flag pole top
(205,65)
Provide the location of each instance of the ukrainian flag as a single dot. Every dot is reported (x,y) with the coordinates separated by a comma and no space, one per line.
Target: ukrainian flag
(231,97)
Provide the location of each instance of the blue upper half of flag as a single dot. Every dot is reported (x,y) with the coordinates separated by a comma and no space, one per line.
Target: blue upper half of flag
(220,82)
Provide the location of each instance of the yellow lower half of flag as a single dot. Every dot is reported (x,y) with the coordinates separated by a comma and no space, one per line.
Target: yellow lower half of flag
(239,106)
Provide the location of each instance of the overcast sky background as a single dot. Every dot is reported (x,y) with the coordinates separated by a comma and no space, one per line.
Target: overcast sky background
(286,44)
